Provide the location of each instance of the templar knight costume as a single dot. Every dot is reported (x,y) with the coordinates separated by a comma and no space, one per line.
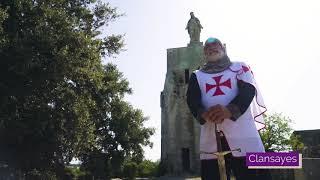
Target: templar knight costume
(232,86)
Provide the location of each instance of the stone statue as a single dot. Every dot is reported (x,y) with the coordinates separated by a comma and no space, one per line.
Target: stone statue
(194,28)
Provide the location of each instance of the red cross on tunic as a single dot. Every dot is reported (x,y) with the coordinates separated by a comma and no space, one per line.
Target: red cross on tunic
(246,69)
(218,91)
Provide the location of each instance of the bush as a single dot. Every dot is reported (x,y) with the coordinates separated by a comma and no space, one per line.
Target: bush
(130,170)
(40,175)
(74,172)
(148,168)
(278,134)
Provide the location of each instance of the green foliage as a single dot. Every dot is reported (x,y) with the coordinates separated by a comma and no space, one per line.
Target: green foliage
(121,136)
(148,168)
(278,134)
(40,175)
(3,16)
(74,172)
(296,143)
(130,170)
(57,100)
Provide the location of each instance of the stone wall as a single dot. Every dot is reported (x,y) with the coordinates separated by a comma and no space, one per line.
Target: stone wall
(310,161)
(179,130)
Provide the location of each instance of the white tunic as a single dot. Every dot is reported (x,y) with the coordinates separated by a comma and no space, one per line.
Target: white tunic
(221,88)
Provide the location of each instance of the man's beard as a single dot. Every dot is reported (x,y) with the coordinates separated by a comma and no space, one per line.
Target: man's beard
(213,57)
(216,66)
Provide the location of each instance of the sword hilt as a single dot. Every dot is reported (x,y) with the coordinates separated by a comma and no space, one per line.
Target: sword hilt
(221,161)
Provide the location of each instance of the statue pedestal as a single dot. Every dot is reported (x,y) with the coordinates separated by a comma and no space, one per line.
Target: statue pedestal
(195,43)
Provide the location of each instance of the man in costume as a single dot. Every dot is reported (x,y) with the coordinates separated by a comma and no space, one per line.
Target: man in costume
(224,97)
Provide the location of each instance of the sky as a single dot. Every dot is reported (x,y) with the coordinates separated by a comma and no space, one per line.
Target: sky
(279,39)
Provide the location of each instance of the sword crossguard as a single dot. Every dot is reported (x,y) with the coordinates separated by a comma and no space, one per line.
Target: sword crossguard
(221,161)
(221,153)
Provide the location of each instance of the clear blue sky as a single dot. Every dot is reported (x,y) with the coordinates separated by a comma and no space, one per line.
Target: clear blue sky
(278,39)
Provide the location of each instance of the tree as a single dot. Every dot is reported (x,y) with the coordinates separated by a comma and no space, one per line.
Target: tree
(148,168)
(130,170)
(278,134)
(57,98)
(120,133)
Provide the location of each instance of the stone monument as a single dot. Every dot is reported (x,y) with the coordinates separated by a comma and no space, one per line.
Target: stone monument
(179,130)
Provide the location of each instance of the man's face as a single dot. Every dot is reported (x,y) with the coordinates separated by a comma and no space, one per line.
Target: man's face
(213,51)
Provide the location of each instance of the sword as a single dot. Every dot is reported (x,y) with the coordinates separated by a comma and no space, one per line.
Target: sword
(220,155)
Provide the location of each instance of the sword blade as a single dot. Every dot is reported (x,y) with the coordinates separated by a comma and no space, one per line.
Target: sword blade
(220,155)
(218,138)
(222,166)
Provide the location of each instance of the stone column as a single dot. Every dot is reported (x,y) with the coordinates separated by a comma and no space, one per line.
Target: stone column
(179,130)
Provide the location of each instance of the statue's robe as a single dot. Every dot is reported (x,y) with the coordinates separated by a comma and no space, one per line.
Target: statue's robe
(194,29)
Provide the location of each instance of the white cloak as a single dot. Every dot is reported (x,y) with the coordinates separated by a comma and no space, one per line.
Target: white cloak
(221,88)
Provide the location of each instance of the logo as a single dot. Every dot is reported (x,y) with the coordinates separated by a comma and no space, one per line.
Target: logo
(274,160)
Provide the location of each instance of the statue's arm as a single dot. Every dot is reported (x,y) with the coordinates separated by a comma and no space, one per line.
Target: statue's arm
(198,22)
(188,24)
